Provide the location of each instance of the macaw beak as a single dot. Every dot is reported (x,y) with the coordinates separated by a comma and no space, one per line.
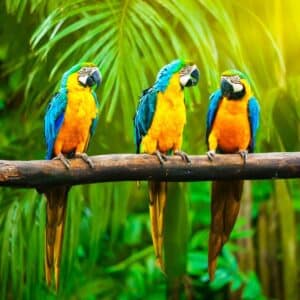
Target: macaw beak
(226,87)
(190,79)
(94,78)
(194,77)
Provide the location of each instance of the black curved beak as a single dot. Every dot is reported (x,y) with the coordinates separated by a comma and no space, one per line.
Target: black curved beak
(94,79)
(226,88)
(195,75)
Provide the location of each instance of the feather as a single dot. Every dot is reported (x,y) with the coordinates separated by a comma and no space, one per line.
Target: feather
(147,103)
(226,195)
(95,121)
(214,102)
(144,115)
(253,114)
(55,221)
(57,196)
(54,119)
(157,204)
(225,204)
(165,74)
(143,120)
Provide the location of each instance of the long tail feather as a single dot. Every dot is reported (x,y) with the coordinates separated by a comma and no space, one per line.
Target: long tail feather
(225,205)
(157,204)
(55,221)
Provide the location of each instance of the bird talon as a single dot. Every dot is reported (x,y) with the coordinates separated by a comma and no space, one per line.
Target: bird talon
(183,156)
(85,158)
(161,157)
(244,155)
(211,154)
(64,160)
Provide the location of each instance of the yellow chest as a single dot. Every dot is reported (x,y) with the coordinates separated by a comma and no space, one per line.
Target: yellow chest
(231,126)
(168,121)
(80,111)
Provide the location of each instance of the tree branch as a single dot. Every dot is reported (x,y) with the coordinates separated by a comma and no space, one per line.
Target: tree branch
(127,167)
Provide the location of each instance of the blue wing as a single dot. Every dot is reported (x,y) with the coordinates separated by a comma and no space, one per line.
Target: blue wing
(53,120)
(95,121)
(253,113)
(214,99)
(144,115)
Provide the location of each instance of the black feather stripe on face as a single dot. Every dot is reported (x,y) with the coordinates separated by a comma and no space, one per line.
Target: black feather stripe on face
(227,88)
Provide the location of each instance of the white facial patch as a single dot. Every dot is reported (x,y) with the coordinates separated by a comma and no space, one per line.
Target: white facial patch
(194,67)
(184,79)
(237,87)
(83,79)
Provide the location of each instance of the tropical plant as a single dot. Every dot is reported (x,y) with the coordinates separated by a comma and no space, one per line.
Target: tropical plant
(107,252)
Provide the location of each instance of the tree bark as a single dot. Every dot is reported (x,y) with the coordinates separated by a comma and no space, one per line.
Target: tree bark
(131,167)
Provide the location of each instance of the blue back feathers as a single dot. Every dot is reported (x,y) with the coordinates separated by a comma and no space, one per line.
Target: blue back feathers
(95,121)
(144,115)
(147,104)
(253,112)
(214,101)
(53,120)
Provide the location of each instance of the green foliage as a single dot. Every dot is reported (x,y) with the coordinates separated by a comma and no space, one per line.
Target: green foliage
(107,246)
(252,289)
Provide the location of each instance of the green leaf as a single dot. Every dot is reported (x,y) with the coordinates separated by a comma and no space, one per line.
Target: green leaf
(252,289)
(197,263)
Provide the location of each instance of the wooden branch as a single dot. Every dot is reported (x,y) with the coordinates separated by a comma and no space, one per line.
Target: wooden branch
(127,167)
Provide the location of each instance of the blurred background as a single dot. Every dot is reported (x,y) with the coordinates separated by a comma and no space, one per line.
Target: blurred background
(107,252)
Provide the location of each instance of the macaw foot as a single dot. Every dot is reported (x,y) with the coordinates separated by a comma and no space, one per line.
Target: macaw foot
(183,156)
(161,157)
(211,154)
(85,158)
(244,155)
(63,159)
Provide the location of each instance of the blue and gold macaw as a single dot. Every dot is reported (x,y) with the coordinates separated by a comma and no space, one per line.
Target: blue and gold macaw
(159,123)
(232,122)
(70,122)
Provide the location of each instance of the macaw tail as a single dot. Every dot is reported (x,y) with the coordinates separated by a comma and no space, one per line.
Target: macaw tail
(55,221)
(225,205)
(157,204)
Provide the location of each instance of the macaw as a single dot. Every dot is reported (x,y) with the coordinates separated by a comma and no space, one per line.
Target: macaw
(70,122)
(231,126)
(159,121)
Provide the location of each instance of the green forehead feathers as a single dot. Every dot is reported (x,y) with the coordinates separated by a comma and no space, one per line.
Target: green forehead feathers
(87,64)
(180,63)
(234,72)
(72,70)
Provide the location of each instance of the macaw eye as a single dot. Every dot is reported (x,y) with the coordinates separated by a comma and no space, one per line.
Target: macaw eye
(235,79)
(83,70)
(185,70)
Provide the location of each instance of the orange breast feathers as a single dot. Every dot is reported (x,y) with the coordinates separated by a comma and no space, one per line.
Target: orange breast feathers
(231,128)
(165,132)
(80,111)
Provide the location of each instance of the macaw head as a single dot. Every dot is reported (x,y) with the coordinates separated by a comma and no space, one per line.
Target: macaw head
(188,74)
(234,84)
(83,75)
